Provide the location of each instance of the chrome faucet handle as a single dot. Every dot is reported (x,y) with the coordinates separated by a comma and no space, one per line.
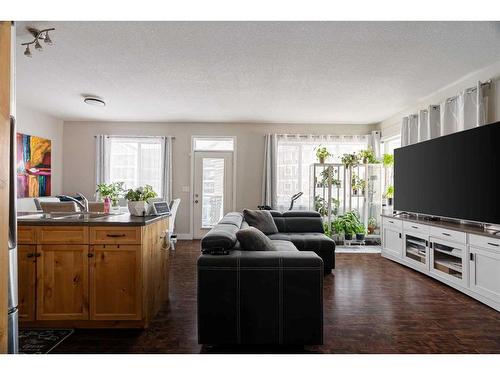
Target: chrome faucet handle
(85,201)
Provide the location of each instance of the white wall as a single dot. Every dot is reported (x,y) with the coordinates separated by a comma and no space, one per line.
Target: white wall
(32,122)
(392,125)
(79,154)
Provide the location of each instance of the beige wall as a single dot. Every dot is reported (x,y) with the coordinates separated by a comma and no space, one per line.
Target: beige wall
(32,122)
(79,154)
(391,126)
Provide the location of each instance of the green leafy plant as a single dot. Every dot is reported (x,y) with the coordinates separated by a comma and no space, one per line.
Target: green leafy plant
(357,184)
(389,192)
(360,229)
(142,193)
(388,160)
(350,160)
(328,177)
(321,206)
(368,156)
(113,191)
(372,225)
(322,154)
(347,223)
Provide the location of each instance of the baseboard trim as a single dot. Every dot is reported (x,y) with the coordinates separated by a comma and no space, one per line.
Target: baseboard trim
(184,236)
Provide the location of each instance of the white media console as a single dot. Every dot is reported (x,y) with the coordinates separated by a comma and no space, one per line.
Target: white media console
(464,257)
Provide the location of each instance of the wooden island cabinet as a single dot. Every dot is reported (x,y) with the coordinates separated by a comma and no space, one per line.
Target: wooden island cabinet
(92,276)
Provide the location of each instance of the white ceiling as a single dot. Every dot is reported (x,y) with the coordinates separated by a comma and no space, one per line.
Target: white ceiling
(306,72)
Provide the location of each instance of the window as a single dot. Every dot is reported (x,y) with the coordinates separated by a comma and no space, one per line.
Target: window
(295,154)
(213,144)
(390,144)
(137,161)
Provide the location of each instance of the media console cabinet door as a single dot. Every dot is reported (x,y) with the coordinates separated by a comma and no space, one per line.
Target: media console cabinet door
(26,281)
(393,244)
(115,282)
(62,282)
(484,273)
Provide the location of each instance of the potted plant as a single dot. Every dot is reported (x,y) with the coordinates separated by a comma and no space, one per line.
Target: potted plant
(350,160)
(138,199)
(114,191)
(368,156)
(346,224)
(388,160)
(322,154)
(360,232)
(389,194)
(328,177)
(372,225)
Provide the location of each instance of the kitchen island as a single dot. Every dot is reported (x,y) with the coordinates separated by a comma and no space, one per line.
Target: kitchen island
(91,270)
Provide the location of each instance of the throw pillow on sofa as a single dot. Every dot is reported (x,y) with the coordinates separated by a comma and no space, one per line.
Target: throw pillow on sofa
(260,219)
(252,239)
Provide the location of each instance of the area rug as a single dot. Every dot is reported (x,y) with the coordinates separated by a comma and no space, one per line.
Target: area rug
(41,341)
(360,249)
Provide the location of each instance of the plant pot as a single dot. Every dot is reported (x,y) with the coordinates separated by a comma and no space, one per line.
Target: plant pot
(371,230)
(321,160)
(137,208)
(360,236)
(348,237)
(355,192)
(389,201)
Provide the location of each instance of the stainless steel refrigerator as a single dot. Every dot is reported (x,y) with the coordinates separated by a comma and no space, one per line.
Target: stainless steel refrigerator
(13,331)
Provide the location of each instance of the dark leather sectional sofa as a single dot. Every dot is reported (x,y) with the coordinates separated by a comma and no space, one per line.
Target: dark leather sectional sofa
(264,297)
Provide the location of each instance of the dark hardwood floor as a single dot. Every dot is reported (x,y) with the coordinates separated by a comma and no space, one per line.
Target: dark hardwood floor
(371,305)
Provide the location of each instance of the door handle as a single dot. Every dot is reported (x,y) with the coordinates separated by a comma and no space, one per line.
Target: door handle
(116,235)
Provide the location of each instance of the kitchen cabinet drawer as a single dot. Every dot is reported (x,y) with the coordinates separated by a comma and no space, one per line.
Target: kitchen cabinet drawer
(54,235)
(391,223)
(115,235)
(414,227)
(485,242)
(449,235)
(26,235)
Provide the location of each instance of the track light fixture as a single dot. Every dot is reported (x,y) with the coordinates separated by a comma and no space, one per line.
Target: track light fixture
(37,35)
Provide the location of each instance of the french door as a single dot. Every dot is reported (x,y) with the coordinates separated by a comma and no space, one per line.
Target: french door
(213,189)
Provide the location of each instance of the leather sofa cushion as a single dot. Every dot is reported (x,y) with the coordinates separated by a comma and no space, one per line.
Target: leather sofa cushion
(234,218)
(299,224)
(301,214)
(252,239)
(261,220)
(221,236)
(306,241)
(284,245)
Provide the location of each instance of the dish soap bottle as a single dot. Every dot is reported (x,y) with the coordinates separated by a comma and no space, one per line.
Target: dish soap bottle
(107,205)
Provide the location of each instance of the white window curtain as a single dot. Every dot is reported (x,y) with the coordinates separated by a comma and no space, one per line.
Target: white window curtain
(135,160)
(434,121)
(288,158)
(483,95)
(269,181)
(423,125)
(450,115)
(405,135)
(374,143)
(412,129)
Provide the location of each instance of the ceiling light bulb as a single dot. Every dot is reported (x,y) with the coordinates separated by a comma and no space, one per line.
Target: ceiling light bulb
(27,52)
(47,39)
(38,46)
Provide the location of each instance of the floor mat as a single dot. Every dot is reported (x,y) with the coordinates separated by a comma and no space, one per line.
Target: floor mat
(41,341)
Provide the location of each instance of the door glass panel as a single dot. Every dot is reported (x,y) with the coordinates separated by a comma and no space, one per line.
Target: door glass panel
(448,259)
(416,249)
(213,191)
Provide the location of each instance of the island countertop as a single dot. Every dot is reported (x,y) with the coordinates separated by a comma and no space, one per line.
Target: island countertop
(68,219)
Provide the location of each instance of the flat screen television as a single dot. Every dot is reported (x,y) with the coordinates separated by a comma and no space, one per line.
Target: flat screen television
(453,176)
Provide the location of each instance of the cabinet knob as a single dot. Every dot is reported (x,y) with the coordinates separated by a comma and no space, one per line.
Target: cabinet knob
(30,255)
(37,255)
(90,255)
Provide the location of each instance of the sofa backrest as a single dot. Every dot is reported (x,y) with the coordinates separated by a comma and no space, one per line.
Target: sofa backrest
(298,221)
(223,235)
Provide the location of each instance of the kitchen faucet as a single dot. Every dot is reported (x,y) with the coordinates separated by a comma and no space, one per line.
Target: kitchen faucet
(83,206)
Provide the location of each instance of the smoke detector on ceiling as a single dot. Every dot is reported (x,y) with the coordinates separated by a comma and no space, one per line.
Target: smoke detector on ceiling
(95,101)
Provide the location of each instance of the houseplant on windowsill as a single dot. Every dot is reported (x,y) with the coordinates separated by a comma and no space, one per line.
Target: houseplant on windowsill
(113,191)
(138,199)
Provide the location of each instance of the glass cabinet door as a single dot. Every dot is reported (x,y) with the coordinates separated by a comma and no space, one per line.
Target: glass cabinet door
(447,260)
(415,249)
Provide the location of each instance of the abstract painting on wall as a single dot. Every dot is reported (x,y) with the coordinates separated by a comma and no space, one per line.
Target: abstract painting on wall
(33,166)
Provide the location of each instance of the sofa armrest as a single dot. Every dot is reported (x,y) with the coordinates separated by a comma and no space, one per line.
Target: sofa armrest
(260,297)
